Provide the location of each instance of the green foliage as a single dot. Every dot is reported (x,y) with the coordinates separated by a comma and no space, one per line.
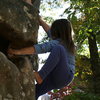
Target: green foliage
(83,64)
(49,4)
(82,96)
(49,19)
(83,75)
(85,17)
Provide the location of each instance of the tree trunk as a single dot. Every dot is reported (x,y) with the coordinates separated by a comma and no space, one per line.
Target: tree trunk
(18,28)
(95,62)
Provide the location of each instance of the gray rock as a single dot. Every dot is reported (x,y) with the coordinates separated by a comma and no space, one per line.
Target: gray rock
(18,28)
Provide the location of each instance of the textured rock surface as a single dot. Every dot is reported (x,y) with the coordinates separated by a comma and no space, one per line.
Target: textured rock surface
(18,22)
(18,29)
(16,84)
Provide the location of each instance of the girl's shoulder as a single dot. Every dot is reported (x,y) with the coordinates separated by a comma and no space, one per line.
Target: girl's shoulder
(52,43)
(57,41)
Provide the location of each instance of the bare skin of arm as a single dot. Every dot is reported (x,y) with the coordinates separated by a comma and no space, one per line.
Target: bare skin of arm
(44,25)
(23,51)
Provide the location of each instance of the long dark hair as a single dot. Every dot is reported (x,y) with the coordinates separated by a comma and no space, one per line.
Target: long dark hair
(62,29)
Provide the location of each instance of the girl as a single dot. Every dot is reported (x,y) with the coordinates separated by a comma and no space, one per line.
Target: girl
(59,69)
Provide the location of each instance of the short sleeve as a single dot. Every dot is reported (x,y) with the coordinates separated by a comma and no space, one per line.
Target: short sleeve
(45,47)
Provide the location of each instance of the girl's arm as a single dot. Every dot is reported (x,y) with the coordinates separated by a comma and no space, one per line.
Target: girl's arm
(35,49)
(23,51)
(45,26)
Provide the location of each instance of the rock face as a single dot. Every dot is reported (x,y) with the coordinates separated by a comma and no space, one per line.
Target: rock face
(18,28)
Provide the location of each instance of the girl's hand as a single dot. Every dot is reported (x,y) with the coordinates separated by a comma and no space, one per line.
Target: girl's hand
(22,51)
(42,23)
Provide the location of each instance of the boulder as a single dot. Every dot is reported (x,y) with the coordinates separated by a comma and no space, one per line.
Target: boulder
(18,28)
